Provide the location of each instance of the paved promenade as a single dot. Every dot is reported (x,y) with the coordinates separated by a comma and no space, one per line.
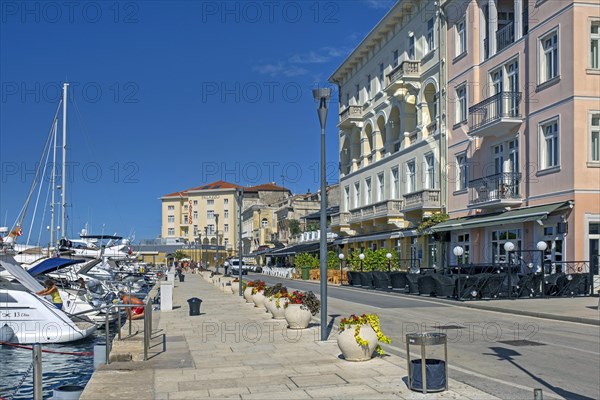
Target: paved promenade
(233,350)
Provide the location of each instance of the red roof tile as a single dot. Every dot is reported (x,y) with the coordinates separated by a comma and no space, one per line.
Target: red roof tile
(208,186)
(266,187)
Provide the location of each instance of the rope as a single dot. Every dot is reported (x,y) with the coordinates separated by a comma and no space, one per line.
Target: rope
(69,353)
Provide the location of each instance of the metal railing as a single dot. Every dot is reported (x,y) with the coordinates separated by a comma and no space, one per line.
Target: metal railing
(502,186)
(406,68)
(500,105)
(147,325)
(505,36)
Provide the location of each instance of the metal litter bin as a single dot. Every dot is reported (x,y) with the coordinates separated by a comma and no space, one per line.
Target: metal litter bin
(427,375)
(181,277)
(305,273)
(194,304)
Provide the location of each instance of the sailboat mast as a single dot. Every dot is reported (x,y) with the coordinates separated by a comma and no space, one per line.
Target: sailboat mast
(53,181)
(64,162)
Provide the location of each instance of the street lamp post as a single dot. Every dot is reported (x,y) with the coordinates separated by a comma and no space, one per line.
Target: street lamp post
(509,246)
(206,236)
(341,257)
(389,257)
(458,252)
(200,249)
(322,95)
(542,246)
(217,249)
(362,257)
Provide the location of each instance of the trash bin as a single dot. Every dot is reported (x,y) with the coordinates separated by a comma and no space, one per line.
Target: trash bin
(305,273)
(181,277)
(194,303)
(427,375)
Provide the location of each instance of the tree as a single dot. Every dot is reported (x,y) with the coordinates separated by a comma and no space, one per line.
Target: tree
(294,225)
(179,254)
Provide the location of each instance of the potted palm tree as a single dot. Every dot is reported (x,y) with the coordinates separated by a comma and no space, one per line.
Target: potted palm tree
(300,308)
(360,336)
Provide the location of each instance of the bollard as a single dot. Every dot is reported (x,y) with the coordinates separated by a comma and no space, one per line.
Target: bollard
(99,354)
(166,296)
(538,394)
(37,372)
(67,392)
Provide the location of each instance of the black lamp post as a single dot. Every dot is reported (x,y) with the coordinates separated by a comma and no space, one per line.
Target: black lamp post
(217,248)
(389,258)
(341,257)
(322,96)
(362,257)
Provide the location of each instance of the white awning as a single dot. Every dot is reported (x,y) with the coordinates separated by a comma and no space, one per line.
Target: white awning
(377,236)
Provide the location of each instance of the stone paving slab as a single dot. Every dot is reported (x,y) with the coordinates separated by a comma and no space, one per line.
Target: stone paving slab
(233,350)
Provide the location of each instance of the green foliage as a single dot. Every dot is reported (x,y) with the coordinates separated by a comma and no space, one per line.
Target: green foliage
(370,319)
(306,260)
(435,219)
(377,260)
(294,225)
(333,261)
(179,254)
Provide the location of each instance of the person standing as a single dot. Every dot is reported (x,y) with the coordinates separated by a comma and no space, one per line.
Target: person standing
(50,289)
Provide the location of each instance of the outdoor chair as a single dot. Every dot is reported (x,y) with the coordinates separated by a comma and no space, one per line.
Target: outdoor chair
(381,280)
(413,283)
(426,285)
(366,280)
(354,278)
(445,285)
(398,280)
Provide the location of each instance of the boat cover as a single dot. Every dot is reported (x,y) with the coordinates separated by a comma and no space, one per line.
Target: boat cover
(52,264)
(20,274)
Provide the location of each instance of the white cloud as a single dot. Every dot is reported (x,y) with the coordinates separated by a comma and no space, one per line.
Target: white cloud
(297,64)
(379,4)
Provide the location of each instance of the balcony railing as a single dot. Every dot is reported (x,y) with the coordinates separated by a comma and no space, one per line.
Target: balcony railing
(500,105)
(505,36)
(494,188)
(350,112)
(387,208)
(342,218)
(406,68)
(426,198)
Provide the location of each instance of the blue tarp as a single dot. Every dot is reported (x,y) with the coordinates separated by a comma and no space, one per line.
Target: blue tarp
(52,264)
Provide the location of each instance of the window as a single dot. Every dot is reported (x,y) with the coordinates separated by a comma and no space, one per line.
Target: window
(411,47)
(264,223)
(368,194)
(499,238)
(463,240)
(594,45)
(357,195)
(369,87)
(461,38)
(195,202)
(226,214)
(210,202)
(171,219)
(429,171)
(381,81)
(195,230)
(225,201)
(430,35)
(461,104)
(195,215)
(357,94)
(462,171)
(595,138)
(226,228)
(395,184)
(347,198)
(210,214)
(171,232)
(549,156)
(226,242)
(549,57)
(395,59)
(380,186)
(171,208)
(410,177)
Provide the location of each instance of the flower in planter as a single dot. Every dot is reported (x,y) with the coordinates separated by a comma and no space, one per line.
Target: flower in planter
(257,286)
(272,290)
(357,321)
(307,300)
(278,296)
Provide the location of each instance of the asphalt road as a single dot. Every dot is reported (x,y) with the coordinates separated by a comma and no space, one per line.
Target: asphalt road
(561,358)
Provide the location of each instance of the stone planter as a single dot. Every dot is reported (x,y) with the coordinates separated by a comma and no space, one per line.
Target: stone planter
(278,312)
(259,298)
(248,295)
(351,350)
(296,317)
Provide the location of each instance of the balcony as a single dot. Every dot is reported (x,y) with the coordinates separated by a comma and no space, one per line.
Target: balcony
(350,115)
(407,71)
(423,199)
(496,115)
(505,37)
(340,221)
(432,128)
(383,209)
(498,190)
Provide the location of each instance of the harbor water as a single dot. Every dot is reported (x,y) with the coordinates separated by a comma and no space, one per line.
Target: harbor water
(62,364)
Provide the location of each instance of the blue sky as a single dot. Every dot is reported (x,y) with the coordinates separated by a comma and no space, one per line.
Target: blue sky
(167,96)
